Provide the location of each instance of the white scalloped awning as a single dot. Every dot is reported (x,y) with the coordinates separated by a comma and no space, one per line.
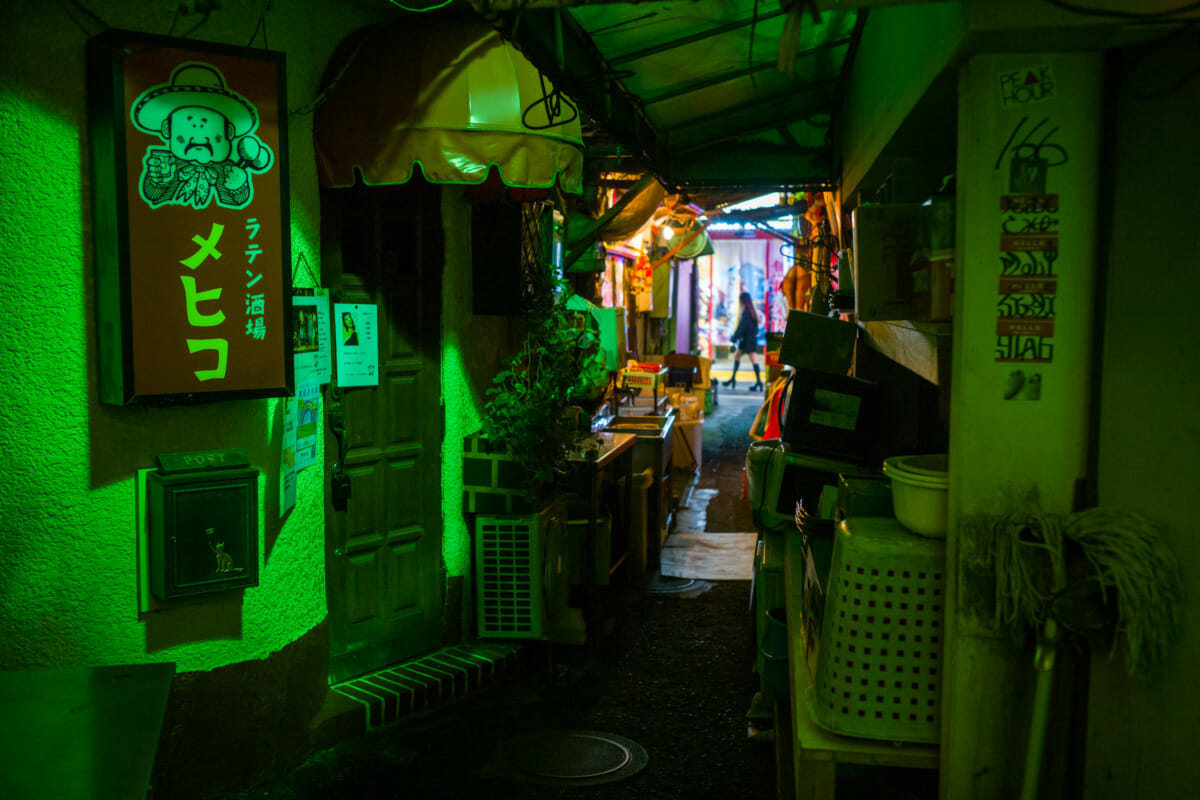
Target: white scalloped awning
(451,96)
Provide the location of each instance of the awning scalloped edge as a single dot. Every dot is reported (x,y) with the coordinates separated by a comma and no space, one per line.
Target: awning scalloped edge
(456,156)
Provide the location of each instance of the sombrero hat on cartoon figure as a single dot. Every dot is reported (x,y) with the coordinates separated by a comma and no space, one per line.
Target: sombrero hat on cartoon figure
(193,84)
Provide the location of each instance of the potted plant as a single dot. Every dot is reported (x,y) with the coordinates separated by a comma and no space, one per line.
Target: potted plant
(545,391)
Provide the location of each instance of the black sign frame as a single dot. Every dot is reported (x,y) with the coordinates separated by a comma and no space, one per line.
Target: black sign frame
(121,370)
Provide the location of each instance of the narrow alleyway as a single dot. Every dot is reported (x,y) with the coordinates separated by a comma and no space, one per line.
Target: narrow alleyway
(665,673)
(669,671)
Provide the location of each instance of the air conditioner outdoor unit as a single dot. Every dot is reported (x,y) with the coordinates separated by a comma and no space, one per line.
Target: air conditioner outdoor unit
(509,589)
(522,583)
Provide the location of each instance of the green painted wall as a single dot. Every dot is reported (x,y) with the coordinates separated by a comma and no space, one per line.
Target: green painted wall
(1002,449)
(68,588)
(890,73)
(472,346)
(463,407)
(1141,731)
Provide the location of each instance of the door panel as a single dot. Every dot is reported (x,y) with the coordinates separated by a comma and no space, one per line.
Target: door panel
(407,510)
(384,566)
(404,568)
(405,421)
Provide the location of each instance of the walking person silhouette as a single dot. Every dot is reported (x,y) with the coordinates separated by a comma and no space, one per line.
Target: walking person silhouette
(745,336)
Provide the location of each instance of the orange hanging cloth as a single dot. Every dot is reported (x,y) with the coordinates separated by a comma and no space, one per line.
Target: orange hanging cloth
(795,287)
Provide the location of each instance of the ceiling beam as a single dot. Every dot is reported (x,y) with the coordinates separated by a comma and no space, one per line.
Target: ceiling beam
(751,169)
(697,37)
(733,75)
(695,152)
(758,114)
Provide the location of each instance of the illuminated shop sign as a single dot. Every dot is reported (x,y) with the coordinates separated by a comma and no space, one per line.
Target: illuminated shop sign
(190,196)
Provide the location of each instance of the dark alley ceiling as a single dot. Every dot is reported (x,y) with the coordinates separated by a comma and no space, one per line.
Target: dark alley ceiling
(709,95)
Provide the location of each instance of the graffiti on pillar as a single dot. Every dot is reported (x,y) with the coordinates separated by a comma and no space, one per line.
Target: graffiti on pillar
(1032,153)
(1030,222)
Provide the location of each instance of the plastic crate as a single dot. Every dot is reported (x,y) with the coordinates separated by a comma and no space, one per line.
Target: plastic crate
(879,671)
(681,376)
(780,477)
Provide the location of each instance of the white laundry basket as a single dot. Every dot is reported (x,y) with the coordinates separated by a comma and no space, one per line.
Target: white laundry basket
(879,671)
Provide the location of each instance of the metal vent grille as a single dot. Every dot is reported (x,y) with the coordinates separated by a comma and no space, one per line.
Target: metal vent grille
(509,591)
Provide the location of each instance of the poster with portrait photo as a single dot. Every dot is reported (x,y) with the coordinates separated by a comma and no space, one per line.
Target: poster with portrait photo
(357,344)
(311,337)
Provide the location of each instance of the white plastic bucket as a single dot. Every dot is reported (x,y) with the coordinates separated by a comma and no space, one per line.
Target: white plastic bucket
(920,485)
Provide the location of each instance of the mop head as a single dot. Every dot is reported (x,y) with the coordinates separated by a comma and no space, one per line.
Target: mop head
(1127,564)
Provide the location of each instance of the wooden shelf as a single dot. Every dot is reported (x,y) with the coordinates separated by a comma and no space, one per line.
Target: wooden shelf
(923,347)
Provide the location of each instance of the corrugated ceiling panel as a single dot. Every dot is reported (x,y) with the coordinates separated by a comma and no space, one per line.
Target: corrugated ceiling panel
(682,82)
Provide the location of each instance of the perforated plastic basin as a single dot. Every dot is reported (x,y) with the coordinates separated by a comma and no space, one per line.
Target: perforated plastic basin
(878,676)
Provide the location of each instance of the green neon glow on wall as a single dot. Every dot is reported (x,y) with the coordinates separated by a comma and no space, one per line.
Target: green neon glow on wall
(462,419)
(80,458)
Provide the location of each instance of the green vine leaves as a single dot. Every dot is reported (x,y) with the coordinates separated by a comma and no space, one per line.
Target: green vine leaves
(556,366)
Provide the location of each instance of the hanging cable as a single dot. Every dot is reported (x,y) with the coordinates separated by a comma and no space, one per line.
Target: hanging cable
(198,25)
(302,260)
(750,49)
(1103,12)
(68,4)
(262,25)
(324,93)
(421,10)
(553,102)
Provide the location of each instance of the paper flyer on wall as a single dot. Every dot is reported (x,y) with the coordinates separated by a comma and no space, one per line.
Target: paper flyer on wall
(311,341)
(287,459)
(308,418)
(357,349)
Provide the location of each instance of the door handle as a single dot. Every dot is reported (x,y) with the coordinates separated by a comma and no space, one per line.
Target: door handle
(340,486)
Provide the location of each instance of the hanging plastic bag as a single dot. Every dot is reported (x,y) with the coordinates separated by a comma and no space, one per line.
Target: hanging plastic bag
(768,422)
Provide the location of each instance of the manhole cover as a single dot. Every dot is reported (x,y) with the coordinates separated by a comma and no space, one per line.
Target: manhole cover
(572,758)
(664,584)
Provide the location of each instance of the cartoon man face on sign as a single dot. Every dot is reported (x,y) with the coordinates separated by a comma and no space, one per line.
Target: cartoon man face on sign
(209,133)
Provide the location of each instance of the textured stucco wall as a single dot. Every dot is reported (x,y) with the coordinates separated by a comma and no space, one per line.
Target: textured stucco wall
(472,347)
(463,408)
(68,588)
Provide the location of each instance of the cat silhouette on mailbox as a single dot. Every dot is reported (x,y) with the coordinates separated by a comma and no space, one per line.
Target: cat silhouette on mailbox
(211,147)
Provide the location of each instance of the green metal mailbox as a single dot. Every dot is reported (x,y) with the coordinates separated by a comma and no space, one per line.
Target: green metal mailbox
(203,523)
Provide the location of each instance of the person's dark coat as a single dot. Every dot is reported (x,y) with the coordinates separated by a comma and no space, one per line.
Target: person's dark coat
(745,336)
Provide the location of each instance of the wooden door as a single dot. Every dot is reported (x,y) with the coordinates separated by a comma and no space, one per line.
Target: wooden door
(384,573)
